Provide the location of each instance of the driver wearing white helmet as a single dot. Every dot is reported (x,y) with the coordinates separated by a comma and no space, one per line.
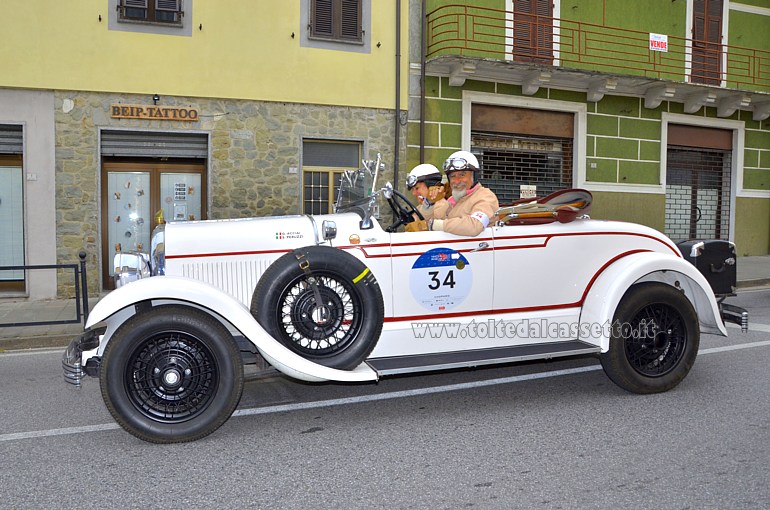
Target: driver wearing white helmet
(424,181)
(470,208)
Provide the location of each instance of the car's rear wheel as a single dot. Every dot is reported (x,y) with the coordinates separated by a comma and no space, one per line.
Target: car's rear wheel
(322,303)
(171,374)
(655,338)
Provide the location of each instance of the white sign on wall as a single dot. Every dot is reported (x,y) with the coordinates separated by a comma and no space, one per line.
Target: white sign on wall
(658,42)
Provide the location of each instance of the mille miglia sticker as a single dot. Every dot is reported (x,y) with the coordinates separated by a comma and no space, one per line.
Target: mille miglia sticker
(288,235)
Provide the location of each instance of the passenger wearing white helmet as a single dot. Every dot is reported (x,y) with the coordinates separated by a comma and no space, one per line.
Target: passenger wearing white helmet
(424,181)
(470,208)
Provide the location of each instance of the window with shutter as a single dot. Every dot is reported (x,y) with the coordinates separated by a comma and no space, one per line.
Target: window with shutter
(706,48)
(338,20)
(533,31)
(151,11)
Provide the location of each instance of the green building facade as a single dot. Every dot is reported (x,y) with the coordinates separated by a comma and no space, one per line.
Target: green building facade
(659,108)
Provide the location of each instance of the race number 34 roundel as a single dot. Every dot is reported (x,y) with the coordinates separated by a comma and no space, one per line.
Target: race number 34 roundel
(441,279)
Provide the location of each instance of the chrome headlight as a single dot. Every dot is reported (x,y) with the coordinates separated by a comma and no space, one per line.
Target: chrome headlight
(158,251)
(130,266)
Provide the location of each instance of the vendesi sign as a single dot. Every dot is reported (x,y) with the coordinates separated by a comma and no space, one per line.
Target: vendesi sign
(658,42)
(148,112)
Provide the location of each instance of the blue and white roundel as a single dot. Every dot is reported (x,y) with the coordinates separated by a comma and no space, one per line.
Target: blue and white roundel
(440,279)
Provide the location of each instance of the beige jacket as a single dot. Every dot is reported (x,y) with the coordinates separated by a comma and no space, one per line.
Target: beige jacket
(468,216)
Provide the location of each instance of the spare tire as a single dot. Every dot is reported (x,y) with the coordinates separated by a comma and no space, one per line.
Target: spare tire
(340,332)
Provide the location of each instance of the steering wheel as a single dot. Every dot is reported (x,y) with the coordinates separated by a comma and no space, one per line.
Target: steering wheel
(403,210)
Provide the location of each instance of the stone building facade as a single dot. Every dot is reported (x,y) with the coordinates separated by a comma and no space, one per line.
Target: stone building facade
(253,166)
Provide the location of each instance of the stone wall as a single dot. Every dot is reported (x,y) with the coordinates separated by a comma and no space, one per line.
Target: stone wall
(254,168)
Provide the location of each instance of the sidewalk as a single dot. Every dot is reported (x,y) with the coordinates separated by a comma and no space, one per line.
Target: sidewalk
(752,272)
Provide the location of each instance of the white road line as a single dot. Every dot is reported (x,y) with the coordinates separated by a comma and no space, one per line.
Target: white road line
(30,352)
(366,398)
(58,432)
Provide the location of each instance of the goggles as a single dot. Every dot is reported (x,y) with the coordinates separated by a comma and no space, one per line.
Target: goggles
(454,164)
(411,181)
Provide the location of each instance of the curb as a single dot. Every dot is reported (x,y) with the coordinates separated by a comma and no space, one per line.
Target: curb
(36,342)
(759,282)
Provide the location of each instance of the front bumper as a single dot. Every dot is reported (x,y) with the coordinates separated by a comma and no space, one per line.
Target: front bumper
(735,314)
(72,359)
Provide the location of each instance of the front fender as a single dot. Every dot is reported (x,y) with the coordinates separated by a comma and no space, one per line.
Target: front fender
(612,283)
(214,301)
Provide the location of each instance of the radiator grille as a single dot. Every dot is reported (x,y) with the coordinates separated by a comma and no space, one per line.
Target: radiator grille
(237,278)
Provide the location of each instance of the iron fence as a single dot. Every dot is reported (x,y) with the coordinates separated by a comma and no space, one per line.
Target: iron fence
(81,291)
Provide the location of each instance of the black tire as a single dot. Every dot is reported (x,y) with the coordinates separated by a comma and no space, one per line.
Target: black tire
(284,304)
(171,374)
(655,339)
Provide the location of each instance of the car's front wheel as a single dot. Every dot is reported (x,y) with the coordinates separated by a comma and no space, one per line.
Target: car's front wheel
(655,338)
(171,374)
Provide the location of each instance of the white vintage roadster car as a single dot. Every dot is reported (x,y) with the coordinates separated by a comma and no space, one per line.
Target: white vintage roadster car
(340,298)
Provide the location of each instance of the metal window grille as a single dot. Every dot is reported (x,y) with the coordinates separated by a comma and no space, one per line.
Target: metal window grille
(509,161)
(697,193)
(318,195)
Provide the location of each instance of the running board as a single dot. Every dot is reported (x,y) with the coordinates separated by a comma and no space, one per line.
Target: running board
(464,359)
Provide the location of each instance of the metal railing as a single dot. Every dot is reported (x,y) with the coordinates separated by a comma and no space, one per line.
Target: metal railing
(522,37)
(81,292)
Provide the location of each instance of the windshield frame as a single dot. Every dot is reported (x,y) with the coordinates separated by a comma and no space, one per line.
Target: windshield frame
(358,189)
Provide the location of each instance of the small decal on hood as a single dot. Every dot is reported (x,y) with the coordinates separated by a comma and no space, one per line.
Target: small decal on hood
(289,235)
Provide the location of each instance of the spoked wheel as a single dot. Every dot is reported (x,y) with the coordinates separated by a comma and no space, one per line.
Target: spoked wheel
(319,330)
(655,338)
(403,210)
(329,311)
(172,374)
(660,342)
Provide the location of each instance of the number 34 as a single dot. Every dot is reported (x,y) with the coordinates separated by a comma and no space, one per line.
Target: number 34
(436,283)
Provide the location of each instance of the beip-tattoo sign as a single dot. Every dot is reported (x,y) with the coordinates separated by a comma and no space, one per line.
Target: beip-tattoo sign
(147,112)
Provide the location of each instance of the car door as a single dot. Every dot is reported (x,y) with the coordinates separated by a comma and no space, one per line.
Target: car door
(542,273)
(441,283)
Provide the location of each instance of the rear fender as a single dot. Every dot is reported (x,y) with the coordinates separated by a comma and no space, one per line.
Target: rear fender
(612,283)
(120,304)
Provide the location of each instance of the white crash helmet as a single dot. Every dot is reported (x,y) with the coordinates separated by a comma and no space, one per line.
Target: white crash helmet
(424,172)
(461,160)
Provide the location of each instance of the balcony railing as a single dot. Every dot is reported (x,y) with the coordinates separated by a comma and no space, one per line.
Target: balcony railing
(521,37)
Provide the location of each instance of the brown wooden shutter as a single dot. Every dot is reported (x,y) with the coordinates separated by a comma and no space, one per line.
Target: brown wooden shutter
(533,31)
(322,24)
(336,19)
(140,4)
(350,22)
(168,5)
(706,39)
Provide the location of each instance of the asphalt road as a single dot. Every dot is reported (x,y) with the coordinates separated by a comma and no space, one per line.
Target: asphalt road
(535,435)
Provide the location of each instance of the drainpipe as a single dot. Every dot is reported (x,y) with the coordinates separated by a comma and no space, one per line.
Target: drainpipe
(397,120)
(423,45)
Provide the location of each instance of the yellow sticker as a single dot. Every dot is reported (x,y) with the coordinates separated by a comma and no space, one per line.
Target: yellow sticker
(363,273)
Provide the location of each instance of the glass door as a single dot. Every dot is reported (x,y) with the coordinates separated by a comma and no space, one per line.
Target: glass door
(133,193)
(11,223)
(128,208)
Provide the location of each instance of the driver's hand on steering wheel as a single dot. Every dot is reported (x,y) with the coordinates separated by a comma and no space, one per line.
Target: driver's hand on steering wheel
(416,226)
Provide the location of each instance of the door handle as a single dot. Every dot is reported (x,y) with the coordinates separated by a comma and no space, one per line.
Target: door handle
(482,246)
